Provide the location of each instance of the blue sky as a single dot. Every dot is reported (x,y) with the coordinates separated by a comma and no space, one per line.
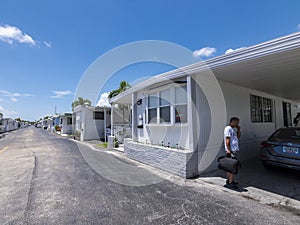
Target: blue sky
(46,46)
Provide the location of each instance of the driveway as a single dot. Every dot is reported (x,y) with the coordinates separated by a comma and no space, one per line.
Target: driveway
(280,181)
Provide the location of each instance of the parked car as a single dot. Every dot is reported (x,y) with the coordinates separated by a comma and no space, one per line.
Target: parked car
(282,148)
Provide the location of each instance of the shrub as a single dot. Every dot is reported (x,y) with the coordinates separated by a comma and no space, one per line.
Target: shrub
(57,128)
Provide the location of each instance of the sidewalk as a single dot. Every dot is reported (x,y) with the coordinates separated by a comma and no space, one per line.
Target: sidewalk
(275,187)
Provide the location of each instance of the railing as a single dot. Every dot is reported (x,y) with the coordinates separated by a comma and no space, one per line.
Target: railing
(121,131)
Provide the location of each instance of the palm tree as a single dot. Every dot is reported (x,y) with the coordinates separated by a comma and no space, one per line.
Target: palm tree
(1,115)
(124,85)
(80,101)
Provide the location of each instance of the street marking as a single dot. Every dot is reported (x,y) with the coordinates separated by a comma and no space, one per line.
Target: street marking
(3,150)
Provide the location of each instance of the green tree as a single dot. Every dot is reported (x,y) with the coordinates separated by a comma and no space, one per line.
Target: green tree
(81,101)
(124,85)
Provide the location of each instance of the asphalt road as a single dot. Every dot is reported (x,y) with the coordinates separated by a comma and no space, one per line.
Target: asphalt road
(46,179)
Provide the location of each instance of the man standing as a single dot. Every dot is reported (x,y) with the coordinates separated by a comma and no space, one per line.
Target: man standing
(296,120)
(232,134)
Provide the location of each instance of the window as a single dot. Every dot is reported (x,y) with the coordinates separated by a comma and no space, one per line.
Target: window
(98,115)
(267,110)
(152,108)
(152,115)
(69,120)
(165,114)
(261,109)
(180,105)
(164,106)
(152,101)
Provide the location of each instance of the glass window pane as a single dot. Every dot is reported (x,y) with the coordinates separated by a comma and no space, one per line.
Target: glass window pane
(164,98)
(98,115)
(181,114)
(152,100)
(165,114)
(152,115)
(69,120)
(267,109)
(180,95)
(256,108)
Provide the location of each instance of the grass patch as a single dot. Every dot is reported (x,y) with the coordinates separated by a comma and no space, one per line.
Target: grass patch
(102,145)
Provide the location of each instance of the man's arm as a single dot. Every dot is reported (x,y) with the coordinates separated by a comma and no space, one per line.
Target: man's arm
(238,131)
(228,145)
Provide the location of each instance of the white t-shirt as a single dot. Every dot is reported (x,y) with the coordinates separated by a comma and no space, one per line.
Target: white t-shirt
(234,141)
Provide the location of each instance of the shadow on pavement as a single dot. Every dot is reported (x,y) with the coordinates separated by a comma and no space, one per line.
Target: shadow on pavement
(281,181)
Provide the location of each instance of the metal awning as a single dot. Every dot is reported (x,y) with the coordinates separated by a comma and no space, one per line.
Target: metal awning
(272,67)
(277,74)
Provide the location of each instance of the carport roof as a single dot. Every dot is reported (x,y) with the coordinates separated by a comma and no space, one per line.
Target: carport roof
(272,67)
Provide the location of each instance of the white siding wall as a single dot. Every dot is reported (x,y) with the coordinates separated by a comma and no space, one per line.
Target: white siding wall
(66,128)
(93,127)
(237,100)
(238,104)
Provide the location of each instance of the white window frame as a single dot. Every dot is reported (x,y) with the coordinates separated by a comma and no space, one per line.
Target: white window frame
(262,109)
(181,104)
(172,105)
(155,94)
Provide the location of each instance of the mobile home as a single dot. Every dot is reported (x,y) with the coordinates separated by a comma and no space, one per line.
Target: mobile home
(90,123)
(178,117)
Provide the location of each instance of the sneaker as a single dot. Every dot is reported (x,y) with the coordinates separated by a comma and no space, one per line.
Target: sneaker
(234,182)
(232,186)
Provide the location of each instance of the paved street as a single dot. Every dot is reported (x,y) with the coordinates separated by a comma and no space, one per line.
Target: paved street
(47,179)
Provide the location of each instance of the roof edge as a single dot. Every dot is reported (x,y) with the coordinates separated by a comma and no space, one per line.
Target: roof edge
(281,44)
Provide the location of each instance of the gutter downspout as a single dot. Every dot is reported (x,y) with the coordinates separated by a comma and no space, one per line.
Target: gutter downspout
(104,124)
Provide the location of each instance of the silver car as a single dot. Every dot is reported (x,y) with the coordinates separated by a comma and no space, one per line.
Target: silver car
(282,148)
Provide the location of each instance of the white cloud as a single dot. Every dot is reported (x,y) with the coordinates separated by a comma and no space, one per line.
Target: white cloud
(60,94)
(10,34)
(206,51)
(27,95)
(48,44)
(13,99)
(103,102)
(7,112)
(13,96)
(233,50)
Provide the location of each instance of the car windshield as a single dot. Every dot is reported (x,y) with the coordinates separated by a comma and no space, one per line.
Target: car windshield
(287,134)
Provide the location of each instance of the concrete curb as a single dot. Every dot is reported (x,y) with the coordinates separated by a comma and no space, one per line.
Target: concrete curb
(256,194)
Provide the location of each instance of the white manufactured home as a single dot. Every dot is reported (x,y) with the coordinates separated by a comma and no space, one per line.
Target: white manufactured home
(8,124)
(65,122)
(90,123)
(178,117)
(2,126)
